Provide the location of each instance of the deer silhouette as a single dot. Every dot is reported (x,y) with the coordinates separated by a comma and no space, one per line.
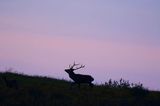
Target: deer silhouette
(10,83)
(79,78)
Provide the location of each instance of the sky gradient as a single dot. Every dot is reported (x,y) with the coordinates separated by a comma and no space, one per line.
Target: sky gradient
(112,38)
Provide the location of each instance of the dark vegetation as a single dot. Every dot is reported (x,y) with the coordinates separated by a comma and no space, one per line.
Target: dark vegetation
(24,90)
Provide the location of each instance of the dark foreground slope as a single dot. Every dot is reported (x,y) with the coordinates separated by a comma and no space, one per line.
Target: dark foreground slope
(43,91)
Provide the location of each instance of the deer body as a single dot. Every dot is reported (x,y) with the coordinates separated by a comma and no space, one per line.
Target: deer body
(79,78)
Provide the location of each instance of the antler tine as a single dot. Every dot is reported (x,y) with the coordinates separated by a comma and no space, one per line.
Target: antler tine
(82,66)
(74,64)
(69,66)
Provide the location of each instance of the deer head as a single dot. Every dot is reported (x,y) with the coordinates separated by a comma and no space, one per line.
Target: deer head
(73,68)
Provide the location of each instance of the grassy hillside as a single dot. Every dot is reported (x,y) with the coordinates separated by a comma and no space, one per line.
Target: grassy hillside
(43,91)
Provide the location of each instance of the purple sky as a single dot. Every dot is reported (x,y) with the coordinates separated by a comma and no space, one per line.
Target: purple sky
(112,38)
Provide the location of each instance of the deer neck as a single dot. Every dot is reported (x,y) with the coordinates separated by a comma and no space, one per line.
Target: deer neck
(72,74)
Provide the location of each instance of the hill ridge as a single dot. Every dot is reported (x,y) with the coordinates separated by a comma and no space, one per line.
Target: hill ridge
(45,91)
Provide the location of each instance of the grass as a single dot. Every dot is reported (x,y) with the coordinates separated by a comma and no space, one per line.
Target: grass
(44,91)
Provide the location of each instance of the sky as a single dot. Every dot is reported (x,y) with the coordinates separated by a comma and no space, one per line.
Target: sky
(112,38)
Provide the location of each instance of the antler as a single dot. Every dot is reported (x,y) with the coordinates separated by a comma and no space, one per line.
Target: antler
(82,66)
(74,64)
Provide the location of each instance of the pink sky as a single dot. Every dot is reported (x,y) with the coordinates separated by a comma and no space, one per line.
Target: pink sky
(46,55)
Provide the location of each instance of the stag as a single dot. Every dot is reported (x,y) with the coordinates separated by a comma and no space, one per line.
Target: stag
(79,78)
(10,83)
